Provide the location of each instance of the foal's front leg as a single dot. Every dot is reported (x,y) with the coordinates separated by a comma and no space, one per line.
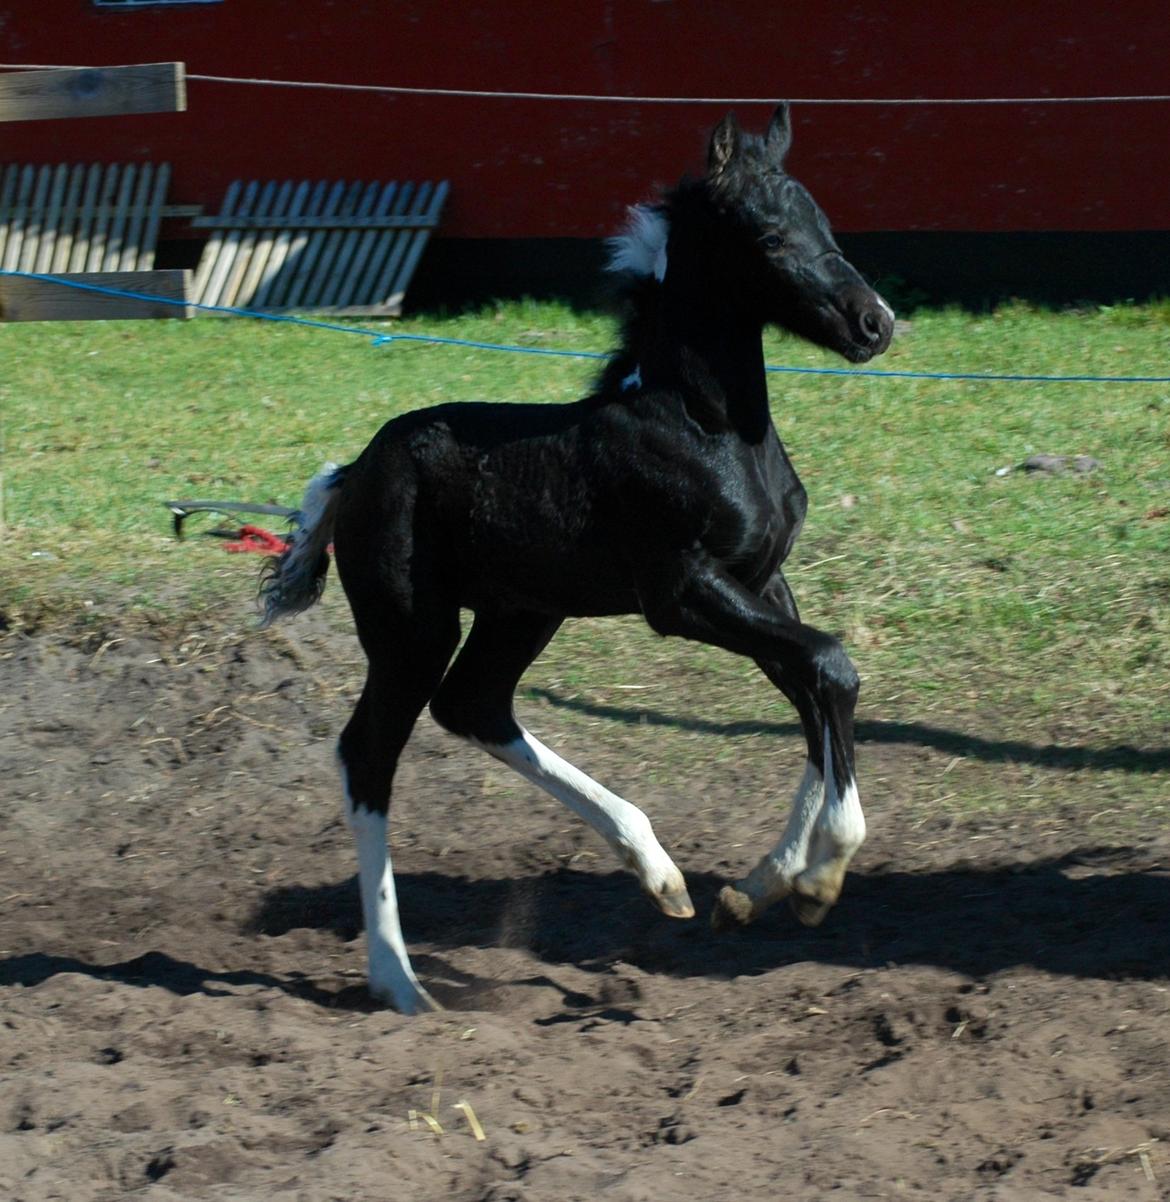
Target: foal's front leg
(808,865)
(697,599)
(826,825)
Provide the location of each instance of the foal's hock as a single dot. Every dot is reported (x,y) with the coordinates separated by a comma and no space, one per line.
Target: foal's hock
(666,491)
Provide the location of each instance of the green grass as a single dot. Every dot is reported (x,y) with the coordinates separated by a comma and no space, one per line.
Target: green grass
(964,596)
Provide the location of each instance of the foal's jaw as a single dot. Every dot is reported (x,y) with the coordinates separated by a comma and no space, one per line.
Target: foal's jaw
(827,302)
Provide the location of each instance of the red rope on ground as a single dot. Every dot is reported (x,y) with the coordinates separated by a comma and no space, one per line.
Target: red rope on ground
(261,542)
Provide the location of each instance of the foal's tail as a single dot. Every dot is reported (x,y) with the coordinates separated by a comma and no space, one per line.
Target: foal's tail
(296,579)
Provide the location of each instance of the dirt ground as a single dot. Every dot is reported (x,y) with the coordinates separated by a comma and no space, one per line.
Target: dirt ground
(182,1014)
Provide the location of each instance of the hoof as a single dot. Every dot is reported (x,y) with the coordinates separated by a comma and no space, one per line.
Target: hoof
(733,909)
(675,905)
(809,910)
(417,1001)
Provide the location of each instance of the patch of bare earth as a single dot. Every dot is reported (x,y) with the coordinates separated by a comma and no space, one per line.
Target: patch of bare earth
(182,1014)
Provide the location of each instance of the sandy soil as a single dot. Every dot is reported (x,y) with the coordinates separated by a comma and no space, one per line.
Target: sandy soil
(182,1014)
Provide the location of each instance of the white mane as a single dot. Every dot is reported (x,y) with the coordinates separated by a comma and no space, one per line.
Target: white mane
(641,247)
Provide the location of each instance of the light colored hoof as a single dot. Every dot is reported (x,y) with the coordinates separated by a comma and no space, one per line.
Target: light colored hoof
(810,910)
(416,1001)
(815,892)
(676,904)
(733,909)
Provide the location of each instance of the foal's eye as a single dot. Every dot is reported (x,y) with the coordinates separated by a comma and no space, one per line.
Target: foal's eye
(772,241)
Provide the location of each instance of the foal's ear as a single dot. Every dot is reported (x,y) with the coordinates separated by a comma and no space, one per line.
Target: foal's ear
(724,145)
(779,136)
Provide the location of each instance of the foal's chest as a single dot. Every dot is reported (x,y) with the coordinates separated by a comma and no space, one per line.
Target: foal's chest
(756,509)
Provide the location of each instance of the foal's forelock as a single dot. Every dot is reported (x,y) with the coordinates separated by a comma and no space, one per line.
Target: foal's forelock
(640,248)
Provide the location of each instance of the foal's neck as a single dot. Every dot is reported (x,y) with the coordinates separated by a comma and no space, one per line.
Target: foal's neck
(713,356)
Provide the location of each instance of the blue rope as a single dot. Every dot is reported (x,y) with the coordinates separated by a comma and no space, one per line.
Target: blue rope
(381,339)
(968,375)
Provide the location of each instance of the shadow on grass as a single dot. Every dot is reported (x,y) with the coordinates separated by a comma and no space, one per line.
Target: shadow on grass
(1048,755)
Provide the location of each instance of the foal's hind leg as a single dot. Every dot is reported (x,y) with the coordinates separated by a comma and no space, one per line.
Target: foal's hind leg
(475,702)
(405,667)
(826,825)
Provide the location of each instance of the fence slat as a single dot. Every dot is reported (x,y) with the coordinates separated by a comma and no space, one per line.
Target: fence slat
(7,201)
(329,247)
(227,252)
(101,221)
(278,255)
(17,220)
(64,246)
(365,249)
(93,91)
(417,242)
(51,226)
(345,244)
(135,220)
(384,252)
(210,257)
(34,220)
(244,247)
(85,219)
(116,236)
(149,243)
(389,273)
(307,259)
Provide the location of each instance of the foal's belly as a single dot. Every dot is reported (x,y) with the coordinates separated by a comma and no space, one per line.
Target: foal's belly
(574,582)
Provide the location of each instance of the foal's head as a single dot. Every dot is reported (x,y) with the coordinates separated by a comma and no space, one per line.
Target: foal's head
(774,249)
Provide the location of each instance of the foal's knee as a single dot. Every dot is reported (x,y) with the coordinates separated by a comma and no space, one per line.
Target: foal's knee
(837,681)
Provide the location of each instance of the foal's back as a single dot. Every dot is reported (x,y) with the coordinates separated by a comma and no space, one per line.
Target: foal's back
(548,508)
(488,506)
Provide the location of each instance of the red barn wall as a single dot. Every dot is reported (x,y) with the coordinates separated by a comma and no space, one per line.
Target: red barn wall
(530,169)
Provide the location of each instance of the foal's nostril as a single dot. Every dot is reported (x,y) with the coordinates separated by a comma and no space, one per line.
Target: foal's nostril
(872,326)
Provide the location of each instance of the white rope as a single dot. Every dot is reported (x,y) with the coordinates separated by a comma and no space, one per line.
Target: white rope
(589,98)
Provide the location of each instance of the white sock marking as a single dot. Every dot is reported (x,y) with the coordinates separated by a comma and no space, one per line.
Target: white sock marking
(391,977)
(623,826)
(773,876)
(841,825)
(824,827)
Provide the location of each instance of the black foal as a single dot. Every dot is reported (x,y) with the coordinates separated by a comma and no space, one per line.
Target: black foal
(665,492)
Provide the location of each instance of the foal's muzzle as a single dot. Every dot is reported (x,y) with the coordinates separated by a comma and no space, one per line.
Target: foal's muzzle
(871,326)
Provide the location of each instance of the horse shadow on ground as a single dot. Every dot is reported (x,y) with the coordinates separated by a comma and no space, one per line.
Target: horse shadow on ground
(1048,755)
(159,969)
(1088,914)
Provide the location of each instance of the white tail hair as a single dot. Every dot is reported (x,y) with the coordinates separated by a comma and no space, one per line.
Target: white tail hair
(296,578)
